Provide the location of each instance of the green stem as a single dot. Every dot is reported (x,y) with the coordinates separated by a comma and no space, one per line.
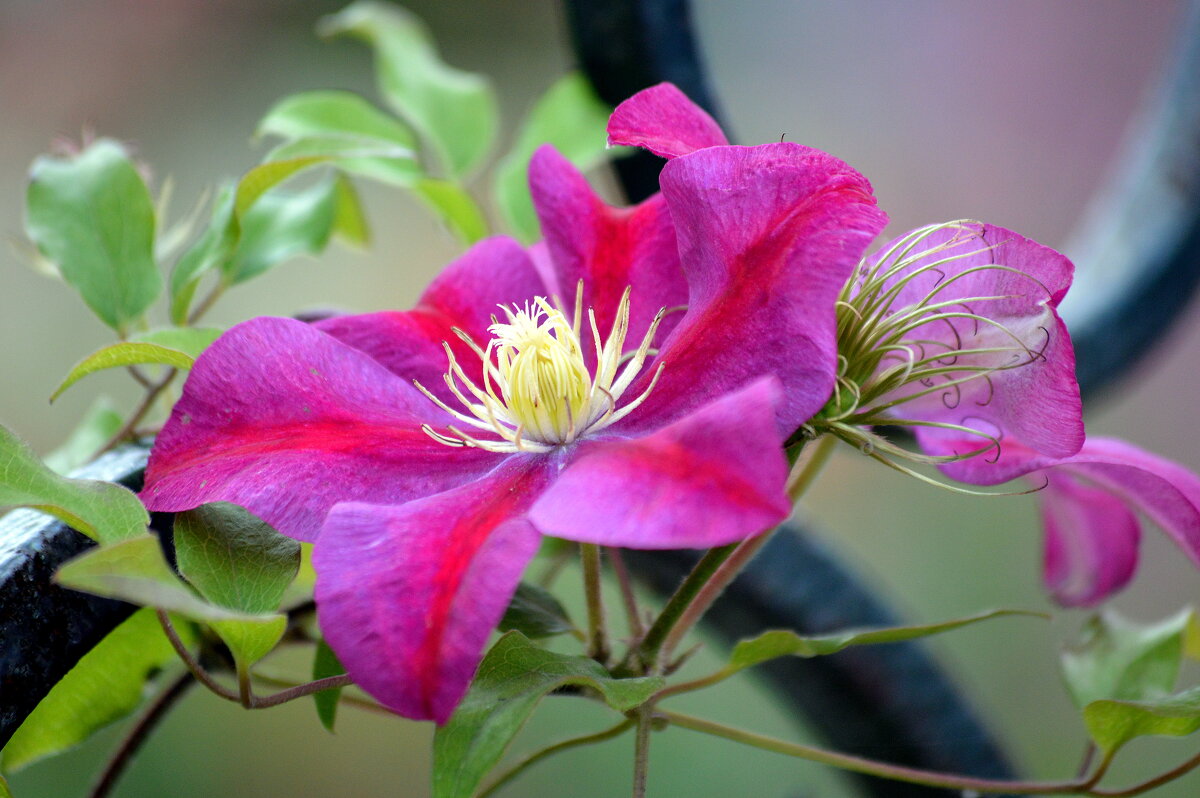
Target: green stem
(597,637)
(641,751)
(645,655)
(538,756)
(807,470)
(871,767)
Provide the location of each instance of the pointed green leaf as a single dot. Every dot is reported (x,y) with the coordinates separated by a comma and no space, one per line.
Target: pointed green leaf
(100,422)
(282,225)
(189,340)
(1114,723)
(389,164)
(455,207)
(1120,659)
(266,176)
(535,613)
(453,110)
(349,220)
(234,559)
(511,680)
(572,118)
(135,570)
(326,664)
(92,215)
(334,115)
(101,510)
(250,639)
(209,251)
(782,643)
(104,686)
(126,353)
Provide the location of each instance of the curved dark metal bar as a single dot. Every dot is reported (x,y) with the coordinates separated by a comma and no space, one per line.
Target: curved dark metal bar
(44,628)
(1138,248)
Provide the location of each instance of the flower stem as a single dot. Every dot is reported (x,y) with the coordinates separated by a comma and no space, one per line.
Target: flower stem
(597,638)
(884,770)
(137,735)
(645,655)
(1157,781)
(641,751)
(538,756)
(632,613)
(806,470)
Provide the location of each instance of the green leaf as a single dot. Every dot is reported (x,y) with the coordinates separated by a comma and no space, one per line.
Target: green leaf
(572,118)
(104,686)
(234,559)
(92,216)
(100,422)
(101,510)
(535,613)
(189,340)
(5,792)
(300,591)
(454,111)
(126,353)
(1114,723)
(1120,659)
(135,570)
(390,164)
(456,208)
(210,250)
(266,176)
(349,220)
(250,639)
(334,115)
(782,643)
(511,680)
(326,664)
(282,225)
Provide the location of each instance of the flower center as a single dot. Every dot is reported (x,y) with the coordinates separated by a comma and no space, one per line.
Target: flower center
(537,392)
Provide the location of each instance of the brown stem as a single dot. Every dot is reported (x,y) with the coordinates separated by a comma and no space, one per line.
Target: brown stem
(152,394)
(137,735)
(1157,781)
(244,697)
(632,613)
(207,303)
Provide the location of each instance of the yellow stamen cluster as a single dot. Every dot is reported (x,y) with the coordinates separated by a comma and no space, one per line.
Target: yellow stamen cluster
(536,390)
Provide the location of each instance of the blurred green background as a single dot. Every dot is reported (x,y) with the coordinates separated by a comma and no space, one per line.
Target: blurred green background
(1009,112)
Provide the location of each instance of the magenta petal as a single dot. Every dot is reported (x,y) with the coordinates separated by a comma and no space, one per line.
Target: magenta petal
(663,120)
(714,477)
(609,249)
(768,236)
(286,421)
(1165,491)
(407,596)
(496,271)
(1031,396)
(1091,547)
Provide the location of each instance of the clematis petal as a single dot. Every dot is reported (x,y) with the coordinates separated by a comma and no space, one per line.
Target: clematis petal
(663,120)
(465,295)
(609,249)
(407,595)
(1091,545)
(286,421)
(768,236)
(1164,490)
(711,478)
(1030,394)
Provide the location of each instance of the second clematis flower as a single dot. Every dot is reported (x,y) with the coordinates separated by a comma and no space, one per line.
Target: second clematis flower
(952,330)
(628,382)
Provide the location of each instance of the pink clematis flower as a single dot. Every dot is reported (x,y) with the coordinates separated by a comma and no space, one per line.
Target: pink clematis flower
(629,382)
(953,330)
